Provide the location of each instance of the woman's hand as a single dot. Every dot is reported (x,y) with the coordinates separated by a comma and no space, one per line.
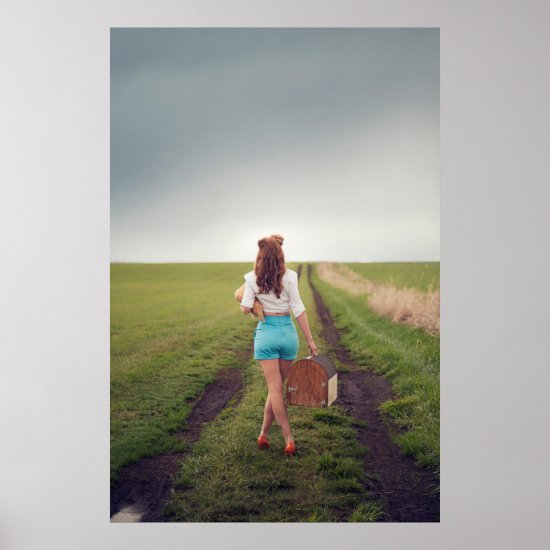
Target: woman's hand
(312,347)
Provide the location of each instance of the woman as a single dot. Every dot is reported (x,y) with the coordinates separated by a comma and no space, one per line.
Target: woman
(276,338)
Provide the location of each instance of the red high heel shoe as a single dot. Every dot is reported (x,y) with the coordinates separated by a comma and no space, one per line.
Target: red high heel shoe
(263,443)
(290,448)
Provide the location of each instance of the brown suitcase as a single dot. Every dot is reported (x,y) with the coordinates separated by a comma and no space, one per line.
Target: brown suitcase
(312,382)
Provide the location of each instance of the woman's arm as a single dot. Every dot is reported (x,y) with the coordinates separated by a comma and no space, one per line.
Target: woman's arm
(247,301)
(304,325)
(239,293)
(300,314)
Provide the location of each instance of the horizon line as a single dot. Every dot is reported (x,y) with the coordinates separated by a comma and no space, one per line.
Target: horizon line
(287,261)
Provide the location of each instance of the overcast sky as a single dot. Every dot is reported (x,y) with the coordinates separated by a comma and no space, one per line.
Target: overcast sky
(222,136)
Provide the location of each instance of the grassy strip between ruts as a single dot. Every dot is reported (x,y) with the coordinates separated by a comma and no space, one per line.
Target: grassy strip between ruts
(421,275)
(173,326)
(408,357)
(226,478)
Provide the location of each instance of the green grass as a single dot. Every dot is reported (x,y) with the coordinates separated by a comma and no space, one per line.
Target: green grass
(407,357)
(173,326)
(421,275)
(227,479)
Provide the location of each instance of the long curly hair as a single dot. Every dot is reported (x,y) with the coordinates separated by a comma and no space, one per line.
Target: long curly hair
(270,265)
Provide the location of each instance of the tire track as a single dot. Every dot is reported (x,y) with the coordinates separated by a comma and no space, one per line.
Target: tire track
(143,487)
(410,493)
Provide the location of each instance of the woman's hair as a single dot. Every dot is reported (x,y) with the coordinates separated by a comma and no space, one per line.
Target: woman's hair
(270,265)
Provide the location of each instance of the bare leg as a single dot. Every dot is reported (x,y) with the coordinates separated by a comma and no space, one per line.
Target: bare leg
(269,416)
(274,381)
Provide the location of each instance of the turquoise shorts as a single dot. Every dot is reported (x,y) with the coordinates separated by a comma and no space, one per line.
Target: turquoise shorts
(276,338)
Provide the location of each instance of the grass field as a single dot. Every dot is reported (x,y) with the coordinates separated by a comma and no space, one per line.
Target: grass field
(421,275)
(408,357)
(226,479)
(174,326)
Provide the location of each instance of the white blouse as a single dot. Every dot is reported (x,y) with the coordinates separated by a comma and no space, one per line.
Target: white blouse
(290,296)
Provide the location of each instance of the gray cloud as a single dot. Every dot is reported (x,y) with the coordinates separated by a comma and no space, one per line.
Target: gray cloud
(229,133)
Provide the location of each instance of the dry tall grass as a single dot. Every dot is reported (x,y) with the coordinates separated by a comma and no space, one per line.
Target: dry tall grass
(402,305)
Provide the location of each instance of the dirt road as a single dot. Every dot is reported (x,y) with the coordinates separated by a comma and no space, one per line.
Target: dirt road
(410,492)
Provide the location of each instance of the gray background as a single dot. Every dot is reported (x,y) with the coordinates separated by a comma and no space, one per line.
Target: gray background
(54,319)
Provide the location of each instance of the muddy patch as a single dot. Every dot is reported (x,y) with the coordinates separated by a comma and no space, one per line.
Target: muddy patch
(410,493)
(401,305)
(143,488)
